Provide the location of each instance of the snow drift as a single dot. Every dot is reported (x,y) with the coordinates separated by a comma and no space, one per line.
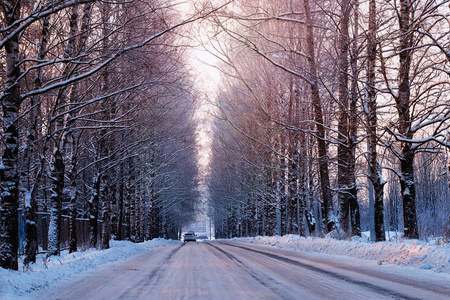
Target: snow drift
(413,253)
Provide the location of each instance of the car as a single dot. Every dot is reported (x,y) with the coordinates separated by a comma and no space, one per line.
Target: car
(189,236)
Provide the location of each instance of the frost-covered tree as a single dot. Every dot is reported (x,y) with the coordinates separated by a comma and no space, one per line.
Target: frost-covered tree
(68,74)
(324,51)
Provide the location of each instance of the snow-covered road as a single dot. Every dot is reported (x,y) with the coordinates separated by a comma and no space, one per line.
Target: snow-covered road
(223,270)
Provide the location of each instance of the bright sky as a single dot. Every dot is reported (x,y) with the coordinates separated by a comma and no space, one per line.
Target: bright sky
(207,79)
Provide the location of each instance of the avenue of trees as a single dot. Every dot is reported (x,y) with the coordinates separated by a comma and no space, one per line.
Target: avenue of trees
(96,123)
(333,117)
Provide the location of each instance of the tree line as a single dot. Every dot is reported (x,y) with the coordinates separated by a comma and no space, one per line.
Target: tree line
(96,122)
(333,118)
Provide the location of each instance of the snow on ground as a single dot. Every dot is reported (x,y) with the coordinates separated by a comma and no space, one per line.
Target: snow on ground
(413,253)
(57,269)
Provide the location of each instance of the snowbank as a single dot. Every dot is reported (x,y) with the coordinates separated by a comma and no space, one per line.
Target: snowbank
(414,253)
(42,274)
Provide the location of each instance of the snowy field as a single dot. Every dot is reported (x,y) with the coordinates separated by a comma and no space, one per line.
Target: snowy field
(428,256)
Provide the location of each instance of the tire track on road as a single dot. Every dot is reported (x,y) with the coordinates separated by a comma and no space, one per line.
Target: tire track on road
(364,284)
(153,275)
(249,271)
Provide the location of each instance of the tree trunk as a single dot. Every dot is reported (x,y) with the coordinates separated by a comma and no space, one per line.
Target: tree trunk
(355,219)
(344,154)
(93,211)
(105,142)
(73,207)
(295,172)
(151,194)
(374,165)
(137,216)
(129,212)
(281,190)
(31,243)
(73,135)
(54,236)
(408,191)
(142,215)
(407,180)
(106,232)
(295,224)
(72,174)
(327,204)
(9,172)
(121,206)
(60,141)
(131,201)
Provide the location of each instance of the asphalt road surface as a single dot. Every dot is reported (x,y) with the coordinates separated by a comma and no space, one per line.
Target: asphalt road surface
(217,270)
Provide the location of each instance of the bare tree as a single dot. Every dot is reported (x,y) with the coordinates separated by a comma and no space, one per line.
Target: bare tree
(421,117)
(10,104)
(70,55)
(374,164)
